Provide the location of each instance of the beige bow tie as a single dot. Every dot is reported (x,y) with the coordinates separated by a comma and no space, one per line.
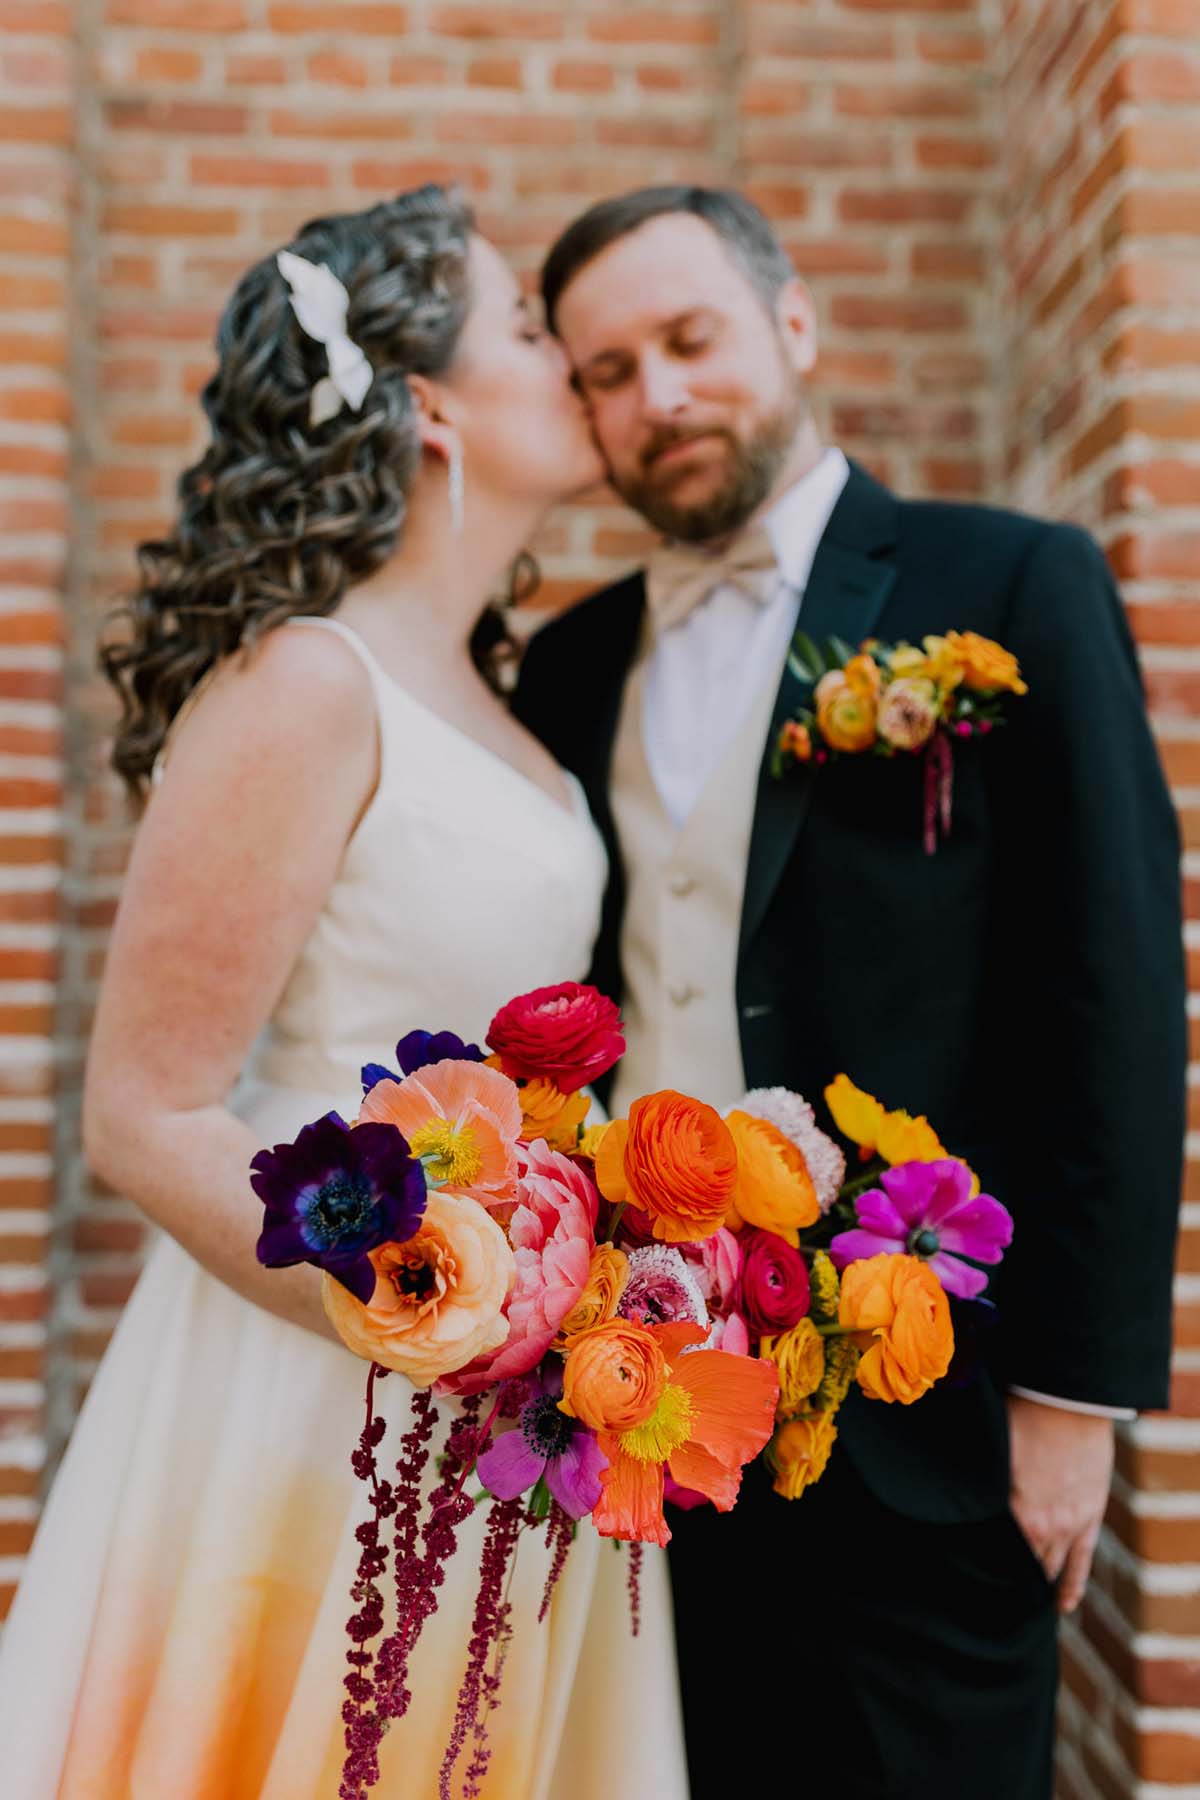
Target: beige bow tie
(680,576)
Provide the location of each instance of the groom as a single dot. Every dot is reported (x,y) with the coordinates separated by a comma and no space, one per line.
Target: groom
(894,1629)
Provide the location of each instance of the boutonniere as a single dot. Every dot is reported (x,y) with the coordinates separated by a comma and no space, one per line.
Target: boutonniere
(900,700)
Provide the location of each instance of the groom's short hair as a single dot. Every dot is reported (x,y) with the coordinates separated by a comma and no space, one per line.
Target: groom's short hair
(737,222)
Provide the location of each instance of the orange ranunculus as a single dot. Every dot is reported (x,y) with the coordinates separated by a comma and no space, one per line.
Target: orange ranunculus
(439,1296)
(597,1304)
(901,1303)
(550,1114)
(986,665)
(715,1413)
(800,1452)
(864,675)
(613,1376)
(675,1160)
(465,1117)
(774,1187)
(845,714)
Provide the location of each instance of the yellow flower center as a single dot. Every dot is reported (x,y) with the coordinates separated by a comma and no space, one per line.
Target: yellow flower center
(451,1153)
(668,1427)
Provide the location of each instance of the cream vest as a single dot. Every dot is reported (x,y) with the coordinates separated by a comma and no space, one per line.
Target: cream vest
(683,910)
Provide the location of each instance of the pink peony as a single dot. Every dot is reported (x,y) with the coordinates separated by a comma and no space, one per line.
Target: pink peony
(569,1034)
(552,1231)
(729,1334)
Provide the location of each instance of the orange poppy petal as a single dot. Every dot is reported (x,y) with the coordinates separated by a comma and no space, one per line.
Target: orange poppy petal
(405,1104)
(631,1497)
(610,1162)
(674,1339)
(734,1399)
(455,1086)
(695,1467)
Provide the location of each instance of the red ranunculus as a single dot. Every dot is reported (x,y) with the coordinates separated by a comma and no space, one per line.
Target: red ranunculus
(775,1290)
(570,1034)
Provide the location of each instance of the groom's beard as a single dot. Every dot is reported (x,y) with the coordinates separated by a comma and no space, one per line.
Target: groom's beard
(751,471)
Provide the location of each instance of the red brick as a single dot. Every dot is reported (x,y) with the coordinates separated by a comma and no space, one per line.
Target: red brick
(52,17)
(953,260)
(904,206)
(159,63)
(906,100)
(32,237)
(345,125)
(342,18)
(622,25)
(171,221)
(953,45)
(496,72)
(575,76)
(208,170)
(171,15)
(337,69)
(882,312)
(244,69)
(1151,75)
(35,124)
(955,152)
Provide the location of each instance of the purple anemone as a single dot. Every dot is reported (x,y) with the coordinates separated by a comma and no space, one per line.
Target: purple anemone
(926,1209)
(416,1051)
(546,1441)
(335,1194)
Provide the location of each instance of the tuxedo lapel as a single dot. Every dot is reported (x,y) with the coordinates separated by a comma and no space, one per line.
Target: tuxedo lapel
(851,578)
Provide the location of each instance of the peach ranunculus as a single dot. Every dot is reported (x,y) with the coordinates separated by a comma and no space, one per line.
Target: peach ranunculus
(439,1296)
(550,1114)
(715,1412)
(774,1188)
(800,1451)
(986,665)
(799,1356)
(614,1376)
(795,740)
(675,1160)
(463,1119)
(901,1304)
(908,713)
(845,714)
(552,1229)
(598,1302)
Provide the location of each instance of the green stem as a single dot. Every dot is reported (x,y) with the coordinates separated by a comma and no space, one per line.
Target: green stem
(614,1222)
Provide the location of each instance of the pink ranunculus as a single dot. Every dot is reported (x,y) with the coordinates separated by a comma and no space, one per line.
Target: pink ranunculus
(775,1287)
(716,1263)
(553,1233)
(729,1334)
(570,1034)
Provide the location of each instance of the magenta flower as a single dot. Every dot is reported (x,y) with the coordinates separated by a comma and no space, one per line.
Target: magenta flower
(926,1210)
(546,1441)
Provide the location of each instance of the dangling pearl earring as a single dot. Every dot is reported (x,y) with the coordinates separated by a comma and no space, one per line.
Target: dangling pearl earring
(458,492)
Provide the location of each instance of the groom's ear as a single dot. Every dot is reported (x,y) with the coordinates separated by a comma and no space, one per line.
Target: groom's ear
(437,429)
(796,317)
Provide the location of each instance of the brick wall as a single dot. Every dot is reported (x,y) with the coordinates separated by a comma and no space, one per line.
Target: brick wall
(1100,277)
(998,218)
(36,187)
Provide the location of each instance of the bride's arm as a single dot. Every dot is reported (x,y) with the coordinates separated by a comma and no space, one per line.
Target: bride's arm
(233,859)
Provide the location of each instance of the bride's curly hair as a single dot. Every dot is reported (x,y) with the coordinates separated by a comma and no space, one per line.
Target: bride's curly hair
(280,517)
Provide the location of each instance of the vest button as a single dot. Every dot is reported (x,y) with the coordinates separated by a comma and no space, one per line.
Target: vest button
(682,885)
(680,996)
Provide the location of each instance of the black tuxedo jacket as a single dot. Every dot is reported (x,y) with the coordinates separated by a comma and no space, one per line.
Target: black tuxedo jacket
(1023,987)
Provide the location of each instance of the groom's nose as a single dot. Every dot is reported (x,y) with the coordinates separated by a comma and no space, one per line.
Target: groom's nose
(664,388)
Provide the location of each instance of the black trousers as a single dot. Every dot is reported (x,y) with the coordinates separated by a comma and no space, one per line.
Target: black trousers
(831,1640)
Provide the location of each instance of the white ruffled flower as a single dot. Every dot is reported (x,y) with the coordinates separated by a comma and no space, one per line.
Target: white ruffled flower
(792,1115)
(660,1289)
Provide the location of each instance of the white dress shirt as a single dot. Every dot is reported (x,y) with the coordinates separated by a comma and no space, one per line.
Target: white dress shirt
(704,674)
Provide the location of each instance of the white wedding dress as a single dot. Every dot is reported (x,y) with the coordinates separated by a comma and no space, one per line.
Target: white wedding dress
(179,1633)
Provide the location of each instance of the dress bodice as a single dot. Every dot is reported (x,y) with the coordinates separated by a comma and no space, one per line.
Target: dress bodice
(464,884)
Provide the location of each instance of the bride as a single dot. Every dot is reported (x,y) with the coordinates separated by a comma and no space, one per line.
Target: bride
(345,836)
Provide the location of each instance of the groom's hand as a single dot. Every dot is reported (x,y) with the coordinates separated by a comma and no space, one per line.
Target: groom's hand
(1062,1464)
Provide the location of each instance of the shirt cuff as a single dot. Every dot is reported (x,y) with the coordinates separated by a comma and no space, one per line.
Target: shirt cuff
(1076,1406)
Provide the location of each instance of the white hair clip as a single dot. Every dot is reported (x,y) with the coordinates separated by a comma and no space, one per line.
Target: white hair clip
(321,305)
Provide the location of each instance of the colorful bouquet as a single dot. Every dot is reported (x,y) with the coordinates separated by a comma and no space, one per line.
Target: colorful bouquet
(622,1314)
(897,699)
